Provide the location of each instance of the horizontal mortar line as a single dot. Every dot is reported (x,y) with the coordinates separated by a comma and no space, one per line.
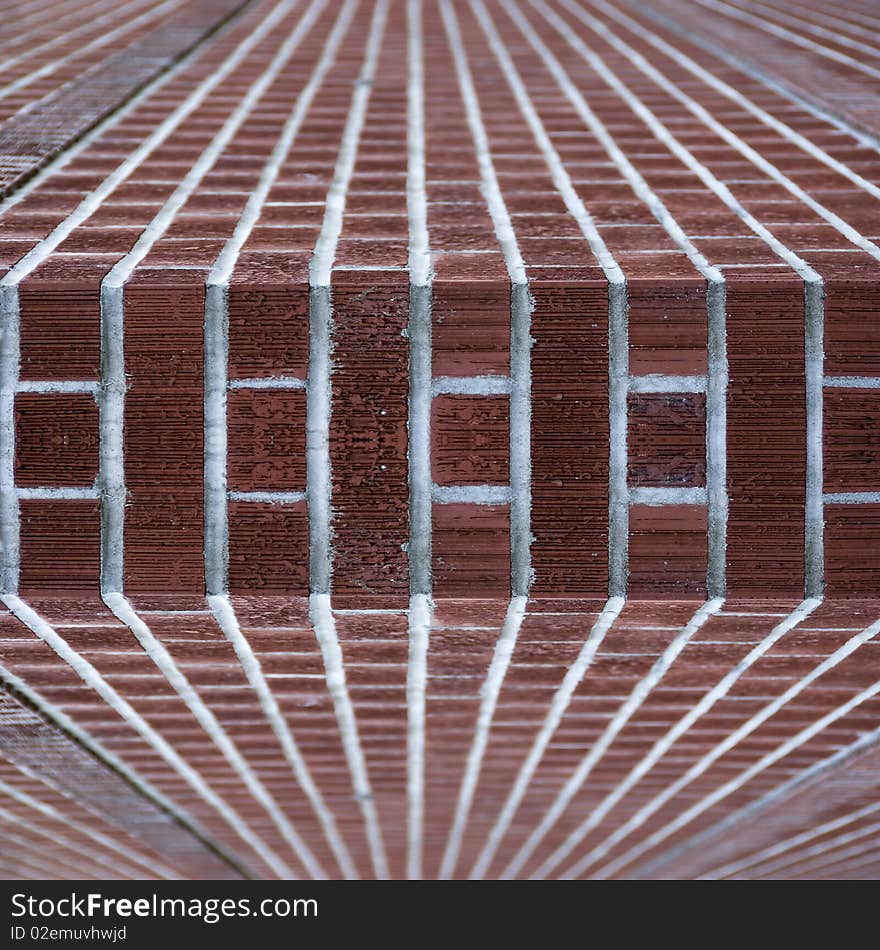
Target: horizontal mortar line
(57,386)
(851,498)
(471,385)
(665,383)
(656,497)
(60,493)
(471,494)
(269,497)
(851,382)
(268,382)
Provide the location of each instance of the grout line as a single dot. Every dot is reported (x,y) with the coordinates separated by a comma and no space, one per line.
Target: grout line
(60,493)
(224,614)
(321,263)
(659,749)
(520,455)
(268,497)
(658,497)
(852,498)
(420,613)
(271,382)
(704,763)
(324,626)
(163,660)
(717,499)
(664,383)
(471,385)
(489,694)
(851,382)
(10,518)
(558,705)
(53,386)
(814,524)
(471,494)
(93,679)
(319,388)
(419,329)
(600,747)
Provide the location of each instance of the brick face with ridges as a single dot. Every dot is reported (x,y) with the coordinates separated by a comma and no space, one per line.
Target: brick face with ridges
(640,636)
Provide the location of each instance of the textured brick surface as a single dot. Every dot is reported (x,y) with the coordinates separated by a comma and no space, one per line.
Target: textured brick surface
(505,375)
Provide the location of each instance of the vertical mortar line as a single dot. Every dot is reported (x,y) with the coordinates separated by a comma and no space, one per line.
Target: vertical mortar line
(521,573)
(111,458)
(419,328)
(814,526)
(716,437)
(10,355)
(419,448)
(420,522)
(216,436)
(618,488)
(318,441)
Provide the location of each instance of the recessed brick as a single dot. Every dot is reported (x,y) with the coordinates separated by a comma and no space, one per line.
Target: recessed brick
(266,437)
(470,440)
(56,440)
(667,440)
(851,443)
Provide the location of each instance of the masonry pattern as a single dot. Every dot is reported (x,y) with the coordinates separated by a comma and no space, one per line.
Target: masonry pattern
(439,438)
